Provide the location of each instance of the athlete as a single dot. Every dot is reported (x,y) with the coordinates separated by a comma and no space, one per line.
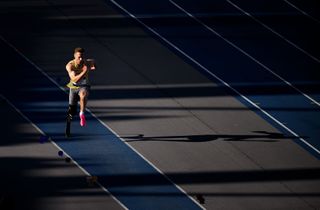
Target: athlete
(78,71)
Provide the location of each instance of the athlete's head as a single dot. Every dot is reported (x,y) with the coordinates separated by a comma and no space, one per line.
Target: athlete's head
(78,54)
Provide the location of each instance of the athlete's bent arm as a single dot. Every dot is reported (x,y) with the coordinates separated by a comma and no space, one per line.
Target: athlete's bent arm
(73,77)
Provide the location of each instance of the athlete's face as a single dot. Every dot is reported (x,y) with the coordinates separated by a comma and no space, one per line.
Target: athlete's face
(78,57)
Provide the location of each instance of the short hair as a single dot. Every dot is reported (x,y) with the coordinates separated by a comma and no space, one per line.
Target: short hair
(79,49)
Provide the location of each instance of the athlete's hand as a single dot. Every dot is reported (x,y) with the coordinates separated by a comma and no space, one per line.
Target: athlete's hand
(85,68)
(91,64)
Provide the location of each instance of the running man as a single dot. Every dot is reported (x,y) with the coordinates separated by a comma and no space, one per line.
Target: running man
(78,71)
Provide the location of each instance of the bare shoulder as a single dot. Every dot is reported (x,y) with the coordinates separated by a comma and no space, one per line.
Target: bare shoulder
(68,66)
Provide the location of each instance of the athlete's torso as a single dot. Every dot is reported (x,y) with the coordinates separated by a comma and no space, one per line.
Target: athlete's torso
(77,70)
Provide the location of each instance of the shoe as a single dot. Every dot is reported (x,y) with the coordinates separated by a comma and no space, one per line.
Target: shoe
(82,120)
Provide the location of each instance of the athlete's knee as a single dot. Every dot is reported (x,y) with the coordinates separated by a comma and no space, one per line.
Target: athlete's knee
(72,110)
(83,94)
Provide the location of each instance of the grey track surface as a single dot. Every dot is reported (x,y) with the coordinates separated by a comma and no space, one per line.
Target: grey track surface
(205,140)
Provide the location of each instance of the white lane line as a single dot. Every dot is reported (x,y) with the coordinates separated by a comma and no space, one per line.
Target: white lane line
(40,131)
(59,148)
(105,125)
(217,78)
(302,11)
(247,54)
(273,31)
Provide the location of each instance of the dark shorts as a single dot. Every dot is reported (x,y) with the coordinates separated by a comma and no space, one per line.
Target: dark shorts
(74,94)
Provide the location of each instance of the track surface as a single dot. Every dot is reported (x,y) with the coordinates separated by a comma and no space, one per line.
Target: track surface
(214,100)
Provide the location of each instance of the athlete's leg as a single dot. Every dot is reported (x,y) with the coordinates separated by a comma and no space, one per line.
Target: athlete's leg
(73,101)
(83,94)
(72,109)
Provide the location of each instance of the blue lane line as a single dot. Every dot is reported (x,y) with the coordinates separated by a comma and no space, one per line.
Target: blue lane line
(125,174)
(233,67)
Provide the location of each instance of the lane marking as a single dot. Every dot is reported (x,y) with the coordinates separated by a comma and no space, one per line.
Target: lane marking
(38,129)
(273,31)
(105,125)
(302,11)
(59,148)
(247,54)
(216,77)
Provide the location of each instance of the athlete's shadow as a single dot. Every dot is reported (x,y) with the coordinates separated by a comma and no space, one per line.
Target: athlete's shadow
(258,136)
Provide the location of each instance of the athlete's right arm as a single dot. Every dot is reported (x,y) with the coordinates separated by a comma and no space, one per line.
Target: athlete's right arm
(73,76)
